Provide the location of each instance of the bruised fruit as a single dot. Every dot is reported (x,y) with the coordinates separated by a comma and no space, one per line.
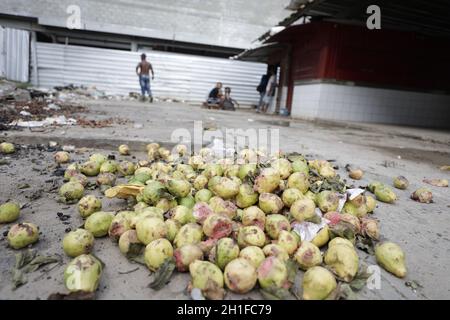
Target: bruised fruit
(9,212)
(342,260)
(272,273)
(300,165)
(71,170)
(322,237)
(226,188)
(22,234)
(401,182)
(83,274)
(187,201)
(340,241)
(124,150)
(240,276)
(108,166)
(246,196)
(308,255)
(275,223)
(217,226)
(71,191)
(371,203)
(422,195)
(283,166)
(186,255)
(226,249)
(88,205)
(246,170)
(200,182)
(90,168)
(78,242)
(270,203)
(156,252)
(179,187)
(206,276)
(98,157)
(303,210)
(267,181)
(253,216)
(149,229)
(251,236)
(203,195)
(7,148)
(287,241)
(318,283)
(291,195)
(200,212)
(355,174)
(299,180)
(352,209)
(166,204)
(129,243)
(253,254)
(311,195)
(118,226)
(126,168)
(190,233)
(370,228)
(152,192)
(275,250)
(384,193)
(173,227)
(182,215)
(80,178)
(392,258)
(62,157)
(218,205)
(106,179)
(98,223)
(327,201)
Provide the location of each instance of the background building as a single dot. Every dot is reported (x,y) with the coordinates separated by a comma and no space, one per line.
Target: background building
(333,67)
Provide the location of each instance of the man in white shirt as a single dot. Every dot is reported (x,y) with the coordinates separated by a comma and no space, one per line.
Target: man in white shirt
(270,90)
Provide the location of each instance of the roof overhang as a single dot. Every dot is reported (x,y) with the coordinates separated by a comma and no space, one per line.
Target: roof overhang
(260,53)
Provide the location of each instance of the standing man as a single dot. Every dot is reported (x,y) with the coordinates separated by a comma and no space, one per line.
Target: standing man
(261,88)
(143,71)
(270,90)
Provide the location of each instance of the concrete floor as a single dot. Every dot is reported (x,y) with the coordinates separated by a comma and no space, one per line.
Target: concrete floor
(383,152)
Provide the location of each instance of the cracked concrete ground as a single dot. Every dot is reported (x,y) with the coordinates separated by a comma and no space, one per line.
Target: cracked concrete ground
(383,152)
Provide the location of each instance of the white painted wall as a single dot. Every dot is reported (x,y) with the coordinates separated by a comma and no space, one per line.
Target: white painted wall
(365,104)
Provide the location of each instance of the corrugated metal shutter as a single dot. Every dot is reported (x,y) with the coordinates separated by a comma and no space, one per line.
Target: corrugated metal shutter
(177,76)
(15,54)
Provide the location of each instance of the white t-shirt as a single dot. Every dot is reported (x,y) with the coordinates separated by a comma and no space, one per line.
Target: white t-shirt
(270,84)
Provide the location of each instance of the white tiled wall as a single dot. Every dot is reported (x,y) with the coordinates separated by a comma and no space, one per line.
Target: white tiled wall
(354,103)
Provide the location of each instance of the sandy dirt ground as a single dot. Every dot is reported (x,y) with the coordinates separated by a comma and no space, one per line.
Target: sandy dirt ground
(383,152)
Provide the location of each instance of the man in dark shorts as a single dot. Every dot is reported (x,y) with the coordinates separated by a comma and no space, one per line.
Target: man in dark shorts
(143,71)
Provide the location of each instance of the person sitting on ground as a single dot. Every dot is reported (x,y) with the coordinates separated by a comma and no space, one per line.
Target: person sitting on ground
(228,102)
(215,95)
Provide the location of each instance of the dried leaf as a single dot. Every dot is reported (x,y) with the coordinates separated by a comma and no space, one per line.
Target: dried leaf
(18,278)
(24,257)
(275,293)
(292,269)
(346,293)
(343,229)
(163,274)
(437,182)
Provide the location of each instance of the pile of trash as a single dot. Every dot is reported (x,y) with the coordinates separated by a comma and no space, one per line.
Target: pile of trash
(30,108)
(282,224)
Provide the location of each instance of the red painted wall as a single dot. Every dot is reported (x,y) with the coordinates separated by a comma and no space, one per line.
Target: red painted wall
(323,50)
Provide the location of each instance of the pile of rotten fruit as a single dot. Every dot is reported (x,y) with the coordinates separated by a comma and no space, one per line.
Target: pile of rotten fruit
(231,223)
